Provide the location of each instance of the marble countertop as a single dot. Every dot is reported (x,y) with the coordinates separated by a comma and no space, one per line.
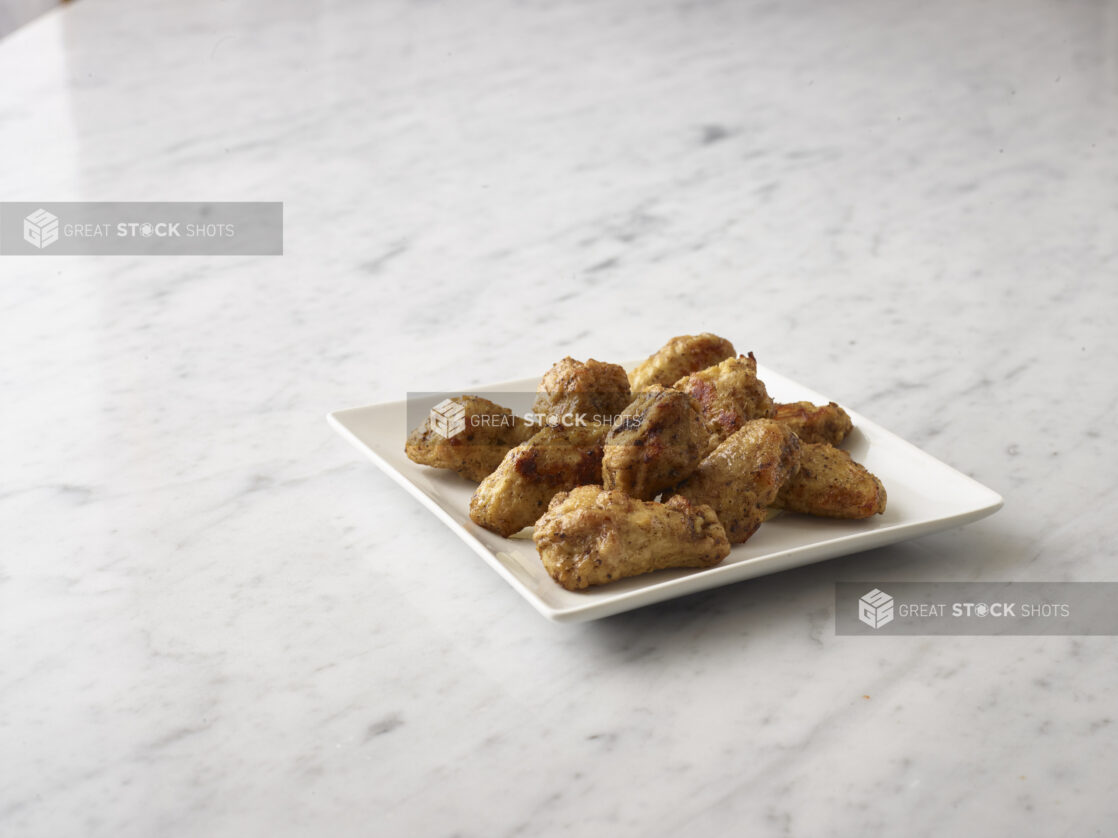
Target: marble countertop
(216,619)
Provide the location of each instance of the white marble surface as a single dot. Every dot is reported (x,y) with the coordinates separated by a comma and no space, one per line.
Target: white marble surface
(216,620)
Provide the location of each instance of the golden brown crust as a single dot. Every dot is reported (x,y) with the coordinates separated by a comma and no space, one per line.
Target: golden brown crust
(530,475)
(831,484)
(680,356)
(657,441)
(591,536)
(595,390)
(743,475)
(815,423)
(730,394)
(490,431)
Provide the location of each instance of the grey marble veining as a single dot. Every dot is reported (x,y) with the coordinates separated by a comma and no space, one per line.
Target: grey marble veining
(215,620)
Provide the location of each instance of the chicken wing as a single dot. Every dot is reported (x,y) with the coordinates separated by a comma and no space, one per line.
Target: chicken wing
(831,484)
(815,423)
(554,460)
(730,394)
(591,536)
(742,476)
(678,357)
(488,432)
(656,442)
(596,390)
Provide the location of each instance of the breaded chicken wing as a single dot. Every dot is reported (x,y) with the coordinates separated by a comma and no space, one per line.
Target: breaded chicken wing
(596,390)
(815,423)
(678,357)
(831,484)
(554,460)
(489,432)
(730,394)
(742,476)
(591,536)
(658,440)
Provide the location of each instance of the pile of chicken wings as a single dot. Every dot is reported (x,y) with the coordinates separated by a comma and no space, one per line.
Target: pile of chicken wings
(664,466)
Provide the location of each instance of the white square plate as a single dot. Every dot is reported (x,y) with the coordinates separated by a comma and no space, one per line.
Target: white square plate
(925,495)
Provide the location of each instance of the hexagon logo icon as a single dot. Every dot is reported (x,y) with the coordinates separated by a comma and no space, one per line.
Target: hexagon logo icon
(447,418)
(875,609)
(40,228)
